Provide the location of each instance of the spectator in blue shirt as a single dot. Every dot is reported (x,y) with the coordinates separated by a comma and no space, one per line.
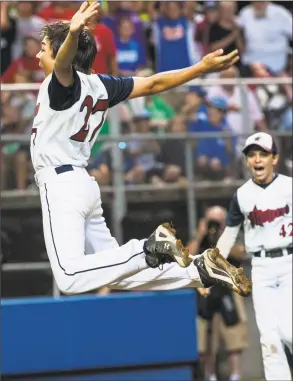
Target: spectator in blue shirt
(173,38)
(129,54)
(142,154)
(213,155)
(124,9)
(194,106)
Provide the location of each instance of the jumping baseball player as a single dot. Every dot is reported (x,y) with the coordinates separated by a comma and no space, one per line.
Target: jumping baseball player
(71,108)
(264,206)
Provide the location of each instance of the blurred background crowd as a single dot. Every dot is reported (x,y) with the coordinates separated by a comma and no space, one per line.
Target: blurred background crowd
(139,38)
(143,37)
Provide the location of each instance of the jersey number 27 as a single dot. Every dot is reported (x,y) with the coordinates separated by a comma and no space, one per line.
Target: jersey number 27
(101,106)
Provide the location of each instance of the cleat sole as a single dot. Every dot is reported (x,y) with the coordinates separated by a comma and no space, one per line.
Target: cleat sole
(241,284)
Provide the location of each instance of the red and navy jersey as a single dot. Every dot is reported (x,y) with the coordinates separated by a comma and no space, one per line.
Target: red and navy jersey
(68,119)
(265,212)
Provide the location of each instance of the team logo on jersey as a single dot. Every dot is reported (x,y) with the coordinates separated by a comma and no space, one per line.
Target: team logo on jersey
(259,217)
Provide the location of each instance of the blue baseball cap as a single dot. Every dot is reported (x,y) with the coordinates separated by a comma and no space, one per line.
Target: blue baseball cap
(200,91)
(218,102)
(145,114)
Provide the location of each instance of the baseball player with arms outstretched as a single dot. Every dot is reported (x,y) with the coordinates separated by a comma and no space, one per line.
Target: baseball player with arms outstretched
(71,108)
(264,206)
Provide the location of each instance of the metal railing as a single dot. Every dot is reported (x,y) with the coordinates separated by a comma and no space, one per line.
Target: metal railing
(119,189)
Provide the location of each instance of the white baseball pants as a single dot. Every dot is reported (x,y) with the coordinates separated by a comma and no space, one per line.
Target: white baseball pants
(83,254)
(272,299)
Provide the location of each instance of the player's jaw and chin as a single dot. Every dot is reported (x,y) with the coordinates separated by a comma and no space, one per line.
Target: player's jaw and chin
(262,177)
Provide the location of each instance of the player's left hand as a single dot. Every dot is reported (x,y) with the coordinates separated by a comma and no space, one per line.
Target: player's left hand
(82,16)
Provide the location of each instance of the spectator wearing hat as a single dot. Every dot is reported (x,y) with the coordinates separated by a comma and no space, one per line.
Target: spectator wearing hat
(142,154)
(194,104)
(232,95)
(172,155)
(213,155)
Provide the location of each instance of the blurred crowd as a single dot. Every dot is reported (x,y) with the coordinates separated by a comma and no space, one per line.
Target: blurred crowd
(140,38)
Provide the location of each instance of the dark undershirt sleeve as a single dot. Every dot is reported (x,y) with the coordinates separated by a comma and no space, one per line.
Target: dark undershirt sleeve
(213,34)
(118,88)
(235,216)
(61,97)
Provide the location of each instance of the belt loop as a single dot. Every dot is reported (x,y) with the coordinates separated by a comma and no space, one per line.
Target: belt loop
(36,180)
(262,253)
(285,252)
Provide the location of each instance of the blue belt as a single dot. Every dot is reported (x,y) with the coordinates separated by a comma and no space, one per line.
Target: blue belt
(63,168)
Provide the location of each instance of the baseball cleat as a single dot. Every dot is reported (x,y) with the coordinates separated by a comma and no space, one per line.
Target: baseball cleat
(163,247)
(214,269)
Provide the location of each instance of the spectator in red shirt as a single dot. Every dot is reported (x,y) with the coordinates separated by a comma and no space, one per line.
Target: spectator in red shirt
(27,61)
(58,11)
(105,61)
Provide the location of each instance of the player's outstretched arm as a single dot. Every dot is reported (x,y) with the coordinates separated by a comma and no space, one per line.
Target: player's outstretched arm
(234,220)
(68,50)
(228,239)
(213,62)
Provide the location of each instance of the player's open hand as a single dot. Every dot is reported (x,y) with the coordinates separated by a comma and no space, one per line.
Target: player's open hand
(86,11)
(216,61)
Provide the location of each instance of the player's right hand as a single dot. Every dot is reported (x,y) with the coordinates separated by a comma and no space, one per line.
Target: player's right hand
(82,16)
(216,61)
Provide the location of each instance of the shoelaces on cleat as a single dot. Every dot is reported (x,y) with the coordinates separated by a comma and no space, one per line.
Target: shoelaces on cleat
(169,227)
(180,246)
(164,259)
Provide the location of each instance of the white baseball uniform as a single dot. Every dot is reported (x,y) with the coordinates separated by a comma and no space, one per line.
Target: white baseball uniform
(266,213)
(83,254)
